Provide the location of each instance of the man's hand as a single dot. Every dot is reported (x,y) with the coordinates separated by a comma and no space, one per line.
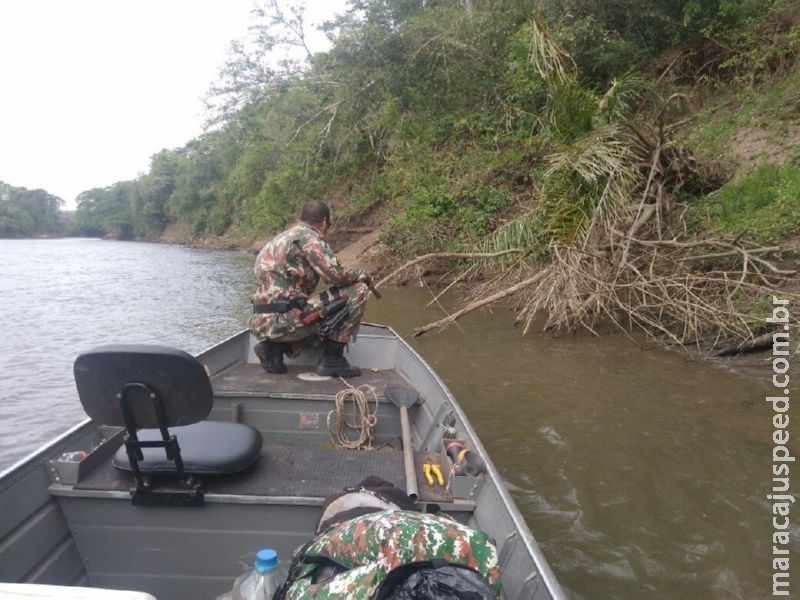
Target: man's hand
(365,277)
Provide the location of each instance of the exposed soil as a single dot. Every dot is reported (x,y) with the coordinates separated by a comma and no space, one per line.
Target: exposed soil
(753,146)
(362,252)
(356,238)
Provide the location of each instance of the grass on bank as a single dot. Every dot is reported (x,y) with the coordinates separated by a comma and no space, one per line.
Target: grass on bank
(765,205)
(754,134)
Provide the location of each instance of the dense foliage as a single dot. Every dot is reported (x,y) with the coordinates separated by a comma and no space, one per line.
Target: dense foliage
(434,107)
(546,132)
(29,213)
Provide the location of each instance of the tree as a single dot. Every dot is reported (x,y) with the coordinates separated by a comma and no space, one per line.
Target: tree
(106,211)
(26,213)
(154,190)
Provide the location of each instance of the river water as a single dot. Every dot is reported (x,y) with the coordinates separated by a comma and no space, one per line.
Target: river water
(640,474)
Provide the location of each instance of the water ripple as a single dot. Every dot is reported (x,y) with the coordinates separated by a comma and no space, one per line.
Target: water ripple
(61,297)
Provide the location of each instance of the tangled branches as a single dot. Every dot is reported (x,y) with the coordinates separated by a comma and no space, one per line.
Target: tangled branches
(607,238)
(683,291)
(679,291)
(626,254)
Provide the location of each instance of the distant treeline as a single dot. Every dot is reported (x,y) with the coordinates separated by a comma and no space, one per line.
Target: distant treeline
(437,107)
(29,213)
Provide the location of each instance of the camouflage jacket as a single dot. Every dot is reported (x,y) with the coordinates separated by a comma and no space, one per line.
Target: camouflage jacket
(292,263)
(371,546)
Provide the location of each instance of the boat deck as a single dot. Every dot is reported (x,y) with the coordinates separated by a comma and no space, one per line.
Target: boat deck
(83,522)
(282,471)
(298,458)
(251,379)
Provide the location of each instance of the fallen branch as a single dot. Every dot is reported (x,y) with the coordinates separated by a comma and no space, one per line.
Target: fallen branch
(460,255)
(762,342)
(483,302)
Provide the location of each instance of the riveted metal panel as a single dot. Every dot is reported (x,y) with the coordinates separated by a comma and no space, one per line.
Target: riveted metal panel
(190,553)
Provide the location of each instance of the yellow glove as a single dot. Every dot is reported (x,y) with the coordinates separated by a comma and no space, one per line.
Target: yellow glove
(438,472)
(426,468)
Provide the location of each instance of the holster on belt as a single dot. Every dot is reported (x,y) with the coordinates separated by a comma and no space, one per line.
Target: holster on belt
(280,306)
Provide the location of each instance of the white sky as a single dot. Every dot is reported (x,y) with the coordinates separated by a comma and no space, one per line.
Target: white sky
(91,89)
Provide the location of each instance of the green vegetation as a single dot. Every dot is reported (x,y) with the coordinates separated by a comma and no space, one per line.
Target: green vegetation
(447,117)
(577,130)
(29,213)
(765,204)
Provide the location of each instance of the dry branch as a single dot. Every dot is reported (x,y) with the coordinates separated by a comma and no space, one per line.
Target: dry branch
(435,255)
(633,260)
(479,303)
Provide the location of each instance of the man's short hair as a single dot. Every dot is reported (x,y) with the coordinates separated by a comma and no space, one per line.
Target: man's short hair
(315,211)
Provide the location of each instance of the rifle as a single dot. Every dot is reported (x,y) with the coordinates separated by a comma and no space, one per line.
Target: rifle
(331,314)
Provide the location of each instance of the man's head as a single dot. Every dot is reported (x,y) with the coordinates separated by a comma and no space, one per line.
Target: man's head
(317,214)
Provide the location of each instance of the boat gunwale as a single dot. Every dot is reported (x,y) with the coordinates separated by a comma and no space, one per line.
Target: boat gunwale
(543,567)
(45,452)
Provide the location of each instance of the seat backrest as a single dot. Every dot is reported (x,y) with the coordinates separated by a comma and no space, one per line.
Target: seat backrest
(177,378)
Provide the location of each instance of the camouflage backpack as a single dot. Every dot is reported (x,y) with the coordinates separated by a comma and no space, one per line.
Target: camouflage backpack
(353,559)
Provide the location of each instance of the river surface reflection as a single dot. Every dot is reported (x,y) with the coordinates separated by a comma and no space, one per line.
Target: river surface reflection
(639,473)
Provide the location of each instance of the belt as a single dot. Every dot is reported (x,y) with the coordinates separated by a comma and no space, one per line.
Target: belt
(281,306)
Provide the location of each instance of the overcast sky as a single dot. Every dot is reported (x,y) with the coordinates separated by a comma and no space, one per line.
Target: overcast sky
(91,89)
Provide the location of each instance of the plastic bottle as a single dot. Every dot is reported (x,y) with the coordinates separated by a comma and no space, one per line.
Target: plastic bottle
(260,582)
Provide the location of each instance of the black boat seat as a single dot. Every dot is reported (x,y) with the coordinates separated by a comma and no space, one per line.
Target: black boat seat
(162,396)
(207,448)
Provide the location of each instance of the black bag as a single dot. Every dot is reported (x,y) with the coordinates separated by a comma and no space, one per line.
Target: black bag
(434,580)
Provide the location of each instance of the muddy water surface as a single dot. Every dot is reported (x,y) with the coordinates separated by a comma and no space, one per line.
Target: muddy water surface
(641,475)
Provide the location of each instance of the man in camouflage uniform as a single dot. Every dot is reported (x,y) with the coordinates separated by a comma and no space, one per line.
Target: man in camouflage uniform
(386,550)
(288,269)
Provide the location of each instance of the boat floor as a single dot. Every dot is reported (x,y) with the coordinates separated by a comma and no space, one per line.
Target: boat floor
(252,379)
(291,471)
(299,471)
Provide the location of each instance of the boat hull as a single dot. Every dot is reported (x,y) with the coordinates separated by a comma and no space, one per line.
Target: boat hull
(75,524)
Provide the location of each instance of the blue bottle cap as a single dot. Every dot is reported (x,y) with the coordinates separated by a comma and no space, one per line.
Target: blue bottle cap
(266,560)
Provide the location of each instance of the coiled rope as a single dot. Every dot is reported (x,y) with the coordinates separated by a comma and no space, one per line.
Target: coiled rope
(363,419)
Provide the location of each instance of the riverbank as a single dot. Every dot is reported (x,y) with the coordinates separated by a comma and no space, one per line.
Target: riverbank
(358,244)
(753,137)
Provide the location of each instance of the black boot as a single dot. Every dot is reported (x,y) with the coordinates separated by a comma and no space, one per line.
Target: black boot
(270,354)
(333,363)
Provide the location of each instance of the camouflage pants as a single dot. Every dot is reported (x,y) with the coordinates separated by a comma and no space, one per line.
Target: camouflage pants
(289,326)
